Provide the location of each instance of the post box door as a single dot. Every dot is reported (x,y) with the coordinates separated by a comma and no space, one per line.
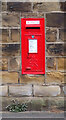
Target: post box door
(33,54)
(33,58)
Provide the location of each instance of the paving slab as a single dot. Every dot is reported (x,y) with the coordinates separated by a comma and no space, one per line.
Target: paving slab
(33,114)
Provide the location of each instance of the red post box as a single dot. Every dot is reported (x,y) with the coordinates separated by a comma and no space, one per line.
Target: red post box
(33,45)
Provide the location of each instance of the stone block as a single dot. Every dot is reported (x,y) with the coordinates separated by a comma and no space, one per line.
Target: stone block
(64,78)
(46,90)
(10,36)
(4,6)
(36,103)
(15,35)
(54,19)
(10,50)
(0,77)
(5,35)
(62,35)
(61,63)
(32,15)
(0,20)
(0,50)
(3,90)
(51,35)
(19,6)
(46,6)
(0,6)
(51,63)
(14,64)
(4,63)
(55,49)
(55,78)
(0,36)
(11,19)
(64,90)
(0,63)
(32,79)
(9,77)
(20,90)
(63,6)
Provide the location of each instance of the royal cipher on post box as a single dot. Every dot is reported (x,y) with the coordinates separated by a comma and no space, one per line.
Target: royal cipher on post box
(33,45)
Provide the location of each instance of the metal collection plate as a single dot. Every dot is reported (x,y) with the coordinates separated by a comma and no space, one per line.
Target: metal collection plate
(32,45)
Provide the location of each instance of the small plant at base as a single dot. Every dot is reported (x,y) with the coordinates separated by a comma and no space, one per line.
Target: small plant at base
(17,107)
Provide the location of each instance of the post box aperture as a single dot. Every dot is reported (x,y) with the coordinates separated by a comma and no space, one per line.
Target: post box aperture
(33,45)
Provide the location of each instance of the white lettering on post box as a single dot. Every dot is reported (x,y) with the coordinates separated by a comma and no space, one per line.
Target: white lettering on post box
(33,46)
(32,22)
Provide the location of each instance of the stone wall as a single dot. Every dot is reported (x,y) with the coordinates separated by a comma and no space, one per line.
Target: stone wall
(15,84)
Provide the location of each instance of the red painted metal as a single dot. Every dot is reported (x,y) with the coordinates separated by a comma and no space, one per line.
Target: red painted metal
(33,38)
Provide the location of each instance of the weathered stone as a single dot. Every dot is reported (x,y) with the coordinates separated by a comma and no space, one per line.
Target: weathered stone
(0,77)
(51,35)
(0,36)
(32,79)
(62,35)
(14,64)
(55,50)
(29,1)
(9,77)
(32,15)
(61,63)
(3,90)
(1,104)
(65,78)
(46,90)
(0,6)
(64,90)
(15,35)
(1,50)
(10,49)
(55,78)
(10,19)
(4,63)
(63,6)
(46,6)
(35,103)
(0,20)
(4,6)
(54,19)
(65,49)
(19,6)
(5,35)
(0,63)
(9,100)
(57,102)
(51,63)
(20,90)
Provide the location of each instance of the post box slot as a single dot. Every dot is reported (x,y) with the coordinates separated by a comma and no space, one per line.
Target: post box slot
(32,27)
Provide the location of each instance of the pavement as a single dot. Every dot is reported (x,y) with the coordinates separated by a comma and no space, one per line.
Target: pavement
(32,115)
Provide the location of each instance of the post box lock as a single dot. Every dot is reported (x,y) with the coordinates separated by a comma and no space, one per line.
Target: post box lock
(28,68)
(33,45)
